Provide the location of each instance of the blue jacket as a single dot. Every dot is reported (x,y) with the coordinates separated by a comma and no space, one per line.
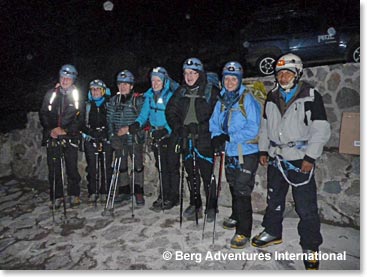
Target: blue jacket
(154,111)
(240,129)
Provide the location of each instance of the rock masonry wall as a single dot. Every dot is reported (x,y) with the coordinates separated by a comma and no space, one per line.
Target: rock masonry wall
(337,175)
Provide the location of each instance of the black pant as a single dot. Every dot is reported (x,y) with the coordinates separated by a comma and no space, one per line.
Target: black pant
(69,149)
(91,152)
(202,169)
(170,172)
(125,180)
(305,199)
(241,179)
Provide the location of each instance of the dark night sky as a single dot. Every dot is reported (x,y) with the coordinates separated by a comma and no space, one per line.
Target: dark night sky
(39,36)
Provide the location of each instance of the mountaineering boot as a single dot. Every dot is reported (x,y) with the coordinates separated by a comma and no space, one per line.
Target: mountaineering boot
(74,201)
(58,202)
(167,205)
(311,262)
(92,198)
(123,197)
(139,199)
(103,198)
(229,223)
(239,241)
(210,214)
(157,205)
(264,239)
(189,213)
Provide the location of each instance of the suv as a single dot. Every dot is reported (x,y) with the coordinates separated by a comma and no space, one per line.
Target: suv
(303,35)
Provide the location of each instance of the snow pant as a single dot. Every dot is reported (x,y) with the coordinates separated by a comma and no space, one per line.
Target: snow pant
(170,168)
(204,170)
(241,179)
(125,180)
(69,149)
(305,199)
(104,157)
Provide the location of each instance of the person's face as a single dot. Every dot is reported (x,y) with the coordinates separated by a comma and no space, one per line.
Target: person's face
(96,92)
(284,77)
(191,76)
(231,82)
(157,83)
(125,88)
(66,82)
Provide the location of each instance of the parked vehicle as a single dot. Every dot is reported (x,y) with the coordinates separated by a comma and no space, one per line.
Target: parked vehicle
(314,39)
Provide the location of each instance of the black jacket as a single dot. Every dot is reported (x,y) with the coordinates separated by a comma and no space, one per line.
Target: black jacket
(178,107)
(62,112)
(95,123)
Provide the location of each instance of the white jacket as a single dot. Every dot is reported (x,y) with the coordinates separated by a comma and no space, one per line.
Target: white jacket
(303,119)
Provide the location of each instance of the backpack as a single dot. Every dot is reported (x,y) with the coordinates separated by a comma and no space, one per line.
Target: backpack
(212,80)
(258,91)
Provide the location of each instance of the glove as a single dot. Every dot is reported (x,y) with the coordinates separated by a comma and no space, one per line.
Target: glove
(86,137)
(193,128)
(218,141)
(183,132)
(134,128)
(159,134)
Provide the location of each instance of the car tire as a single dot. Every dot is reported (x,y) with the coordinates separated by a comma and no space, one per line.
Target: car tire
(265,65)
(354,53)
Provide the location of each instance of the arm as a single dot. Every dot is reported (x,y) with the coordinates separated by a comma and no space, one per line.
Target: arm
(215,121)
(319,129)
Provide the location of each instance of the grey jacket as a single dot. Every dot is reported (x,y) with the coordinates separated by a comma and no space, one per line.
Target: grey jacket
(302,121)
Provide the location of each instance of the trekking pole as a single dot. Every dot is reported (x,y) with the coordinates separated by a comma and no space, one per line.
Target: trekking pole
(112,189)
(62,164)
(212,181)
(184,142)
(53,183)
(218,189)
(133,178)
(160,172)
(96,153)
(194,170)
(104,171)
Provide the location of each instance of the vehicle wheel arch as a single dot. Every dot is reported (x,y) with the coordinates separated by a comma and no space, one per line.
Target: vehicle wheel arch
(262,63)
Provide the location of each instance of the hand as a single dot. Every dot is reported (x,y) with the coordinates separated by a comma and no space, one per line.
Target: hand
(159,134)
(218,141)
(306,167)
(193,128)
(58,131)
(134,128)
(123,131)
(263,160)
(183,132)
(86,137)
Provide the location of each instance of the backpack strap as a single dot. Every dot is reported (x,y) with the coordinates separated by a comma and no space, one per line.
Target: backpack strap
(241,103)
(87,111)
(208,91)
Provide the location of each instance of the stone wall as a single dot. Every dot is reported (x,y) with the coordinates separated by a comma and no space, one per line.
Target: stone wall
(338,175)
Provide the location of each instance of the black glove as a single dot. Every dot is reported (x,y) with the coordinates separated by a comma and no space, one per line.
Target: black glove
(193,128)
(134,128)
(183,132)
(157,135)
(218,141)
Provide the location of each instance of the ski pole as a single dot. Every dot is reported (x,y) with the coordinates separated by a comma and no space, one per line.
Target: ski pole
(157,144)
(194,170)
(53,183)
(133,179)
(96,154)
(62,166)
(212,181)
(218,189)
(182,177)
